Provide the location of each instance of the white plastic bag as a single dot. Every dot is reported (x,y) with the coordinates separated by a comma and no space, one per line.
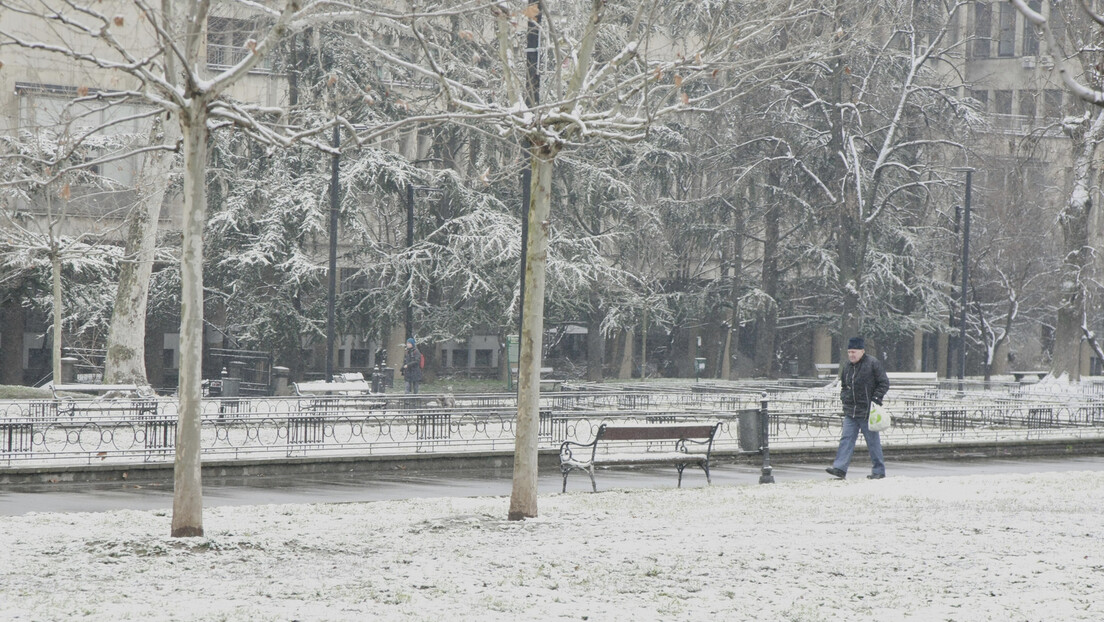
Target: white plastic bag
(880,419)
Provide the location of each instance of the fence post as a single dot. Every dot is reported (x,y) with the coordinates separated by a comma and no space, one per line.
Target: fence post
(764,424)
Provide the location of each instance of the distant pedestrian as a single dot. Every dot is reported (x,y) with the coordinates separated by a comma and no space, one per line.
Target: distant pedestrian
(863,381)
(412,366)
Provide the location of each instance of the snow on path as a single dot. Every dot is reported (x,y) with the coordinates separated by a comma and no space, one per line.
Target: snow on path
(1002,548)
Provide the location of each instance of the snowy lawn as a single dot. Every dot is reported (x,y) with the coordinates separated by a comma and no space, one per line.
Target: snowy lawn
(1001,548)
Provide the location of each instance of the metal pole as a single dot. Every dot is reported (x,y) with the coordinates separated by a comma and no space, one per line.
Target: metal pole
(965,277)
(332,294)
(766,477)
(409,245)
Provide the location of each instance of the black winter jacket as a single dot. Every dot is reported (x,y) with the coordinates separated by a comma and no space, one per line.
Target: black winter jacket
(862,383)
(412,364)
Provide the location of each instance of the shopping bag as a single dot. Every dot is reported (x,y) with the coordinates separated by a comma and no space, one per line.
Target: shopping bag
(880,419)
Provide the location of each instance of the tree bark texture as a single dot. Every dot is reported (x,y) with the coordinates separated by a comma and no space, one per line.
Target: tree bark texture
(1078,255)
(523,498)
(187,519)
(125,362)
(624,372)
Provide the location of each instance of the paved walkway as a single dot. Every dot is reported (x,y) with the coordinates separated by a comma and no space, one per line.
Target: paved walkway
(336,488)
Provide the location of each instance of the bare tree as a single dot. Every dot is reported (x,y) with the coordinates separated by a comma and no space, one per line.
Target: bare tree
(160,51)
(125,360)
(1076,47)
(52,181)
(614,69)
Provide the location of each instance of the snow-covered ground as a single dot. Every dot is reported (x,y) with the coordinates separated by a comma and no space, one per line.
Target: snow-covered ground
(982,547)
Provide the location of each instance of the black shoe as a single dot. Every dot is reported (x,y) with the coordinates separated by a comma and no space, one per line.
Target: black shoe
(833,471)
(876,476)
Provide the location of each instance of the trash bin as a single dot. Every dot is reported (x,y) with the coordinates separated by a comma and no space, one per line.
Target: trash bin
(231,387)
(749,430)
(699,367)
(383,378)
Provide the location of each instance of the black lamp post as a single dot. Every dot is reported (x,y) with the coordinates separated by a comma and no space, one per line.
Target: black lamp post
(411,189)
(965,276)
(332,293)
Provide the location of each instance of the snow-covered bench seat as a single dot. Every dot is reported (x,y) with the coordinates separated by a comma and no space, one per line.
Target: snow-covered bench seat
(641,445)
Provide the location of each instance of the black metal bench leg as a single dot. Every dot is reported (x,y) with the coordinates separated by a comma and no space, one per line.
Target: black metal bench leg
(680,468)
(593,485)
(565,471)
(705,467)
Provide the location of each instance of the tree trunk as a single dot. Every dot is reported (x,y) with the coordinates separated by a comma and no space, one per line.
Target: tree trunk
(155,348)
(13,323)
(736,273)
(624,372)
(595,343)
(396,348)
(523,498)
(125,361)
(768,325)
(187,519)
(1078,255)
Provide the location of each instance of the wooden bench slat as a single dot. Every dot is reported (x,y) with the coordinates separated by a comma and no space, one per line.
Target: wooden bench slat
(656,432)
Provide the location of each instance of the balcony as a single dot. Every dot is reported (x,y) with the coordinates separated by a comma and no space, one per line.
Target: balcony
(222,57)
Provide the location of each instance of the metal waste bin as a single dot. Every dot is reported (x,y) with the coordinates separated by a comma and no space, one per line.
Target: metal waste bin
(383,378)
(749,430)
(231,387)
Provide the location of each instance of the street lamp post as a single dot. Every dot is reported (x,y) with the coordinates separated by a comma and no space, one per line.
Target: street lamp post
(411,189)
(332,293)
(409,245)
(965,276)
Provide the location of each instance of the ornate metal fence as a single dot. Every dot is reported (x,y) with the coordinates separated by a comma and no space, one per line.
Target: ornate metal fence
(124,431)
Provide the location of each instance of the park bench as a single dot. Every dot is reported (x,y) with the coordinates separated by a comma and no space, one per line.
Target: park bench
(336,397)
(826,370)
(546,384)
(1020,375)
(641,445)
(118,400)
(316,388)
(927,379)
(98,389)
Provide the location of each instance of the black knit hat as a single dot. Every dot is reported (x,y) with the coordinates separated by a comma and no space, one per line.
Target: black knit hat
(856,343)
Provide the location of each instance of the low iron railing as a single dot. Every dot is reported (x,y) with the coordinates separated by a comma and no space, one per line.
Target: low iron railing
(126,431)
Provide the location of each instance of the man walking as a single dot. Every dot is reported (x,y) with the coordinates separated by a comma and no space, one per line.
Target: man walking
(863,380)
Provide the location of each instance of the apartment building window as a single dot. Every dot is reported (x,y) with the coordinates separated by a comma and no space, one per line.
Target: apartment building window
(983,29)
(1052,103)
(228,43)
(982,98)
(1027,103)
(1002,102)
(1030,36)
(1006,43)
(1057,26)
(54,114)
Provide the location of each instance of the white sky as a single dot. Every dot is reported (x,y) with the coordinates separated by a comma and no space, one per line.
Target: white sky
(980,547)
